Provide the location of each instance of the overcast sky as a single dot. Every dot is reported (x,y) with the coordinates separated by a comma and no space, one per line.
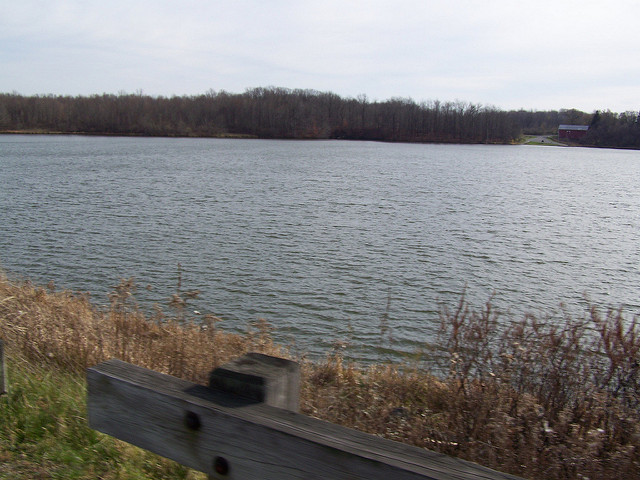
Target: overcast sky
(537,55)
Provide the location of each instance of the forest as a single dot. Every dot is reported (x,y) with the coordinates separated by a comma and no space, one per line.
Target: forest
(275,112)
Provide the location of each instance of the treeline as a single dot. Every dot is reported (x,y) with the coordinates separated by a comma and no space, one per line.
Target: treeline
(260,112)
(606,129)
(297,114)
(609,129)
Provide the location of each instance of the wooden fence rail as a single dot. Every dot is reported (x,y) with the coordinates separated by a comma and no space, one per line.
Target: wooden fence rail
(242,426)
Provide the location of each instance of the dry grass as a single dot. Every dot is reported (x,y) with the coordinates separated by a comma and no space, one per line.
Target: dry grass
(66,330)
(539,398)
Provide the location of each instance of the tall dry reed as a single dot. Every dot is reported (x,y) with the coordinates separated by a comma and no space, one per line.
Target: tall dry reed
(65,329)
(540,397)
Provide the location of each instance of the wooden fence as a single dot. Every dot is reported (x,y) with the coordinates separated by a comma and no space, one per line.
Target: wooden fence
(245,426)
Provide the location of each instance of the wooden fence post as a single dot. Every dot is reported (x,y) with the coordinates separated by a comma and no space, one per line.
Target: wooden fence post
(270,380)
(263,378)
(4,381)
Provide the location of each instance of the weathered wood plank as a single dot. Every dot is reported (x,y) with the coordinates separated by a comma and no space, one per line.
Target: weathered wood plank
(4,380)
(203,429)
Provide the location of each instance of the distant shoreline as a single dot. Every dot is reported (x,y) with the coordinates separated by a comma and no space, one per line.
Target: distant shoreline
(106,134)
(240,137)
(524,141)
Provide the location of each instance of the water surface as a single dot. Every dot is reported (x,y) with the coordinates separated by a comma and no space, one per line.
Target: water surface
(325,238)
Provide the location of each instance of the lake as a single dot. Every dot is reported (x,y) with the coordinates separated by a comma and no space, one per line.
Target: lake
(325,239)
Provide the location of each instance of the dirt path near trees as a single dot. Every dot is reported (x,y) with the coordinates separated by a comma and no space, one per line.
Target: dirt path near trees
(542,140)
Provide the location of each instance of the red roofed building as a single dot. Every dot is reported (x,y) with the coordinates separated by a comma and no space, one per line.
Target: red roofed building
(572,132)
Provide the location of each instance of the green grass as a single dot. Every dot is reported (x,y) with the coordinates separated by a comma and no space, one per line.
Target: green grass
(44,434)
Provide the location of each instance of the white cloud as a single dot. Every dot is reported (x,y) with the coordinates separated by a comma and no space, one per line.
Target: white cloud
(504,53)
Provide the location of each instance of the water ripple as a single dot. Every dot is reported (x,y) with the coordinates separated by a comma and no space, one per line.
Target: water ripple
(324,238)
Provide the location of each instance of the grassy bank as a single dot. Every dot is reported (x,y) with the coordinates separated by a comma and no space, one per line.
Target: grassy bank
(537,398)
(45,435)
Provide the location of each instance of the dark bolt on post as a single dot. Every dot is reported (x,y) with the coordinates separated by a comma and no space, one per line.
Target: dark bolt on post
(221,466)
(192,421)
